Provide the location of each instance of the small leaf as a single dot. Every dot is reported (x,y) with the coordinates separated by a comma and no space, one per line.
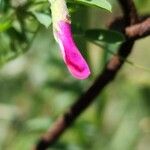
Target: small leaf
(106,36)
(97,3)
(43,18)
(4,25)
(38,124)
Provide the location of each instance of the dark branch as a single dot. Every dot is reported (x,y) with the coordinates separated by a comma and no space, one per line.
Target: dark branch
(139,30)
(107,75)
(129,11)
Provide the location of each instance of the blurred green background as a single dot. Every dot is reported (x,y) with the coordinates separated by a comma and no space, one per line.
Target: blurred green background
(36,88)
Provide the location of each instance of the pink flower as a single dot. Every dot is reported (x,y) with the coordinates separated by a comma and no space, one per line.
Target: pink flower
(62,32)
(72,57)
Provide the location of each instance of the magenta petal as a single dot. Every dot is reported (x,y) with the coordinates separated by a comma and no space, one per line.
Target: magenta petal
(72,57)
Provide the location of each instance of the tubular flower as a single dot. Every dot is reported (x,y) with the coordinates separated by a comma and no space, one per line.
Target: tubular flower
(76,64)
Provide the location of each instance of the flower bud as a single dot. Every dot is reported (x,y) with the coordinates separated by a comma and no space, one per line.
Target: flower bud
(62,33)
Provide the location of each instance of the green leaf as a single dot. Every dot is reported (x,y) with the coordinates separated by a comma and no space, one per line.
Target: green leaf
(4,25)
(43,18)
(96,3)
(38,124)
(13,43)
(106,36)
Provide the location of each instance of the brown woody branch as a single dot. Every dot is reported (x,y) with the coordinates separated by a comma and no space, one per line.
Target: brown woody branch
(129,11)
(139,30)
(107,75)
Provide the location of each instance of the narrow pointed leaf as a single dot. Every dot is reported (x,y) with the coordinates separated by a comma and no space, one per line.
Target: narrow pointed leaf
(43,18)
(102,35)
(4,25)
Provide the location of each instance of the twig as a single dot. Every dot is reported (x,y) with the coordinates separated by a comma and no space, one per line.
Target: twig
(139,30)
(107,75)
(129,11)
